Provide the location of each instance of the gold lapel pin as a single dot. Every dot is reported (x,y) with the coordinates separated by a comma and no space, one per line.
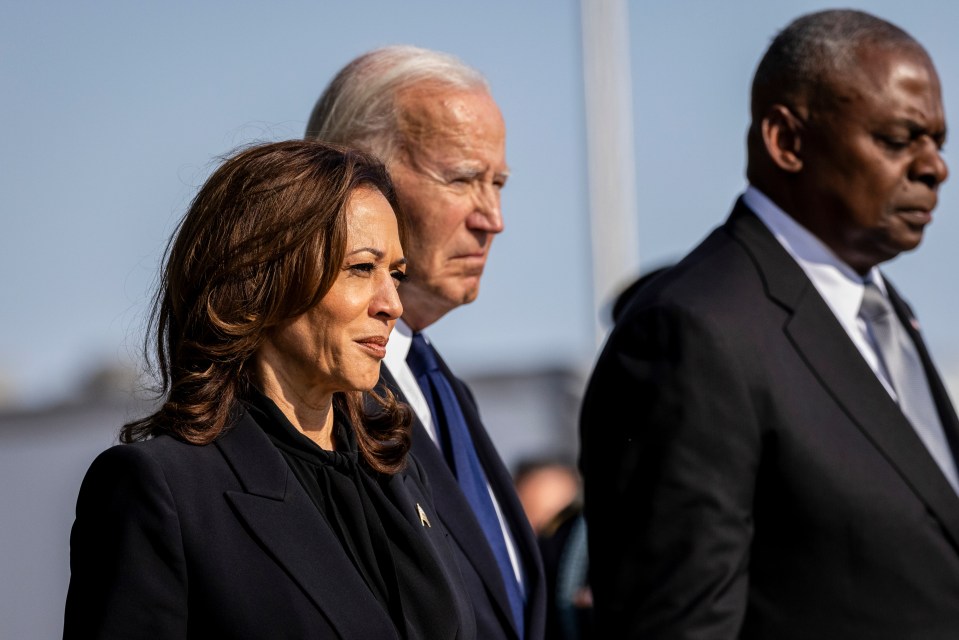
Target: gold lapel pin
(423,519)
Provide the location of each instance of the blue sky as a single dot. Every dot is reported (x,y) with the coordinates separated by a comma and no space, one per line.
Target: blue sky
(115,112)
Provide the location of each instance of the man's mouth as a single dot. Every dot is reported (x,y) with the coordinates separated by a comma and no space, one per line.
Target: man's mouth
(915,217)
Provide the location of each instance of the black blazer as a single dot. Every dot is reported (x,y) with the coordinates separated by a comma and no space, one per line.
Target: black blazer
(772,487)
(474,557)
(174,540)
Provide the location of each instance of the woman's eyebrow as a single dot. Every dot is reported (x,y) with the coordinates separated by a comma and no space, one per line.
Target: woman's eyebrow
(376,252)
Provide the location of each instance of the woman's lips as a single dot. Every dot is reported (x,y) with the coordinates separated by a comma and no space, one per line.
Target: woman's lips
(374,345)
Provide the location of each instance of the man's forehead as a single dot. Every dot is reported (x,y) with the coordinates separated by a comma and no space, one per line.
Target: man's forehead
(871,75)
(871,63)
(462,128)
(457,159)
(445,110)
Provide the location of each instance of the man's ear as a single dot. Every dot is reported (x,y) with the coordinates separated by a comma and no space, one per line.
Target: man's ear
(782,136)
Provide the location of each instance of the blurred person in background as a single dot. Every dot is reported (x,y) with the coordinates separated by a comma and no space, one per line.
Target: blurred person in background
(262,500)
(550,492)
(545,487)
(432,121)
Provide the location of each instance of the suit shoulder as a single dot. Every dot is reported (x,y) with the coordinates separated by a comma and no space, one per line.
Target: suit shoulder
(147,461)
(152,452)
(716,279)
(122,460)
(715,303)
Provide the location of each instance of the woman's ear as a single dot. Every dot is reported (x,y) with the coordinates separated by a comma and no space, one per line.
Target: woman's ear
(782,135)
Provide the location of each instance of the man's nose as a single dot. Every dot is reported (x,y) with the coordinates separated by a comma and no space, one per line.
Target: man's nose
(487,215)
(929,166)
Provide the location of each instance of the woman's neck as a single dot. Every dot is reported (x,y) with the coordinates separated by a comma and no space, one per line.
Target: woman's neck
(308,408)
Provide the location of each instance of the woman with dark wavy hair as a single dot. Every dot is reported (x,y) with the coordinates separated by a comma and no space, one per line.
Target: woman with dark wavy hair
(263,499)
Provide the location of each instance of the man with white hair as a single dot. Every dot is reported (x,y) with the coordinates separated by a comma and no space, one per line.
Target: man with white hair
(432,121)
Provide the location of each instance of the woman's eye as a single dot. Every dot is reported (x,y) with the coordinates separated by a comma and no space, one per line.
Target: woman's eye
(363,267)
(399,277)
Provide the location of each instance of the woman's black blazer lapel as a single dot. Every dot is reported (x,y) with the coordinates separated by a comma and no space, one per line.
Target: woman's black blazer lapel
(279,513)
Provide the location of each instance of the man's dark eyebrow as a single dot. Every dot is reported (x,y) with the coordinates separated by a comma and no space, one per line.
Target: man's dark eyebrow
(916,130)
(915,127)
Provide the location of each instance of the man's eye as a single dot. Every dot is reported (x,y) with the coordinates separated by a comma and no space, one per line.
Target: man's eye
(894,143)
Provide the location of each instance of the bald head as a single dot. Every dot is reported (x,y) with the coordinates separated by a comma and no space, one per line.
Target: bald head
(847,132)
(804,60)
(808,63)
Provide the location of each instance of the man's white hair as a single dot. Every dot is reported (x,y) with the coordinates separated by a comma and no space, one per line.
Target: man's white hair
(359,107)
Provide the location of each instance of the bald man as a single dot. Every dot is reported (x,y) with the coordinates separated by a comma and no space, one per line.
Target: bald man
(768,450)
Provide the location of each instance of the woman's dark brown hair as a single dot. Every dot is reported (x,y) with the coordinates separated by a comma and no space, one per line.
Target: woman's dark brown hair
(262,242)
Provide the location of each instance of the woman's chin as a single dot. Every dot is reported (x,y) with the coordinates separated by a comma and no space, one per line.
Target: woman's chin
(367,381)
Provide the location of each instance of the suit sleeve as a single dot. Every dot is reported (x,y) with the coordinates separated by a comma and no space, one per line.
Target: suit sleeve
(128,574)
(671,447)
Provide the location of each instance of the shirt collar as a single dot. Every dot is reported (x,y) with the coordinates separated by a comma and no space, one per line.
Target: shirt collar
(398,346)
(836,281)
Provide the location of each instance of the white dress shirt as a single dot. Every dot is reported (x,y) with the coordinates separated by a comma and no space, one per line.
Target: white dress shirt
(842,289)
(838,284)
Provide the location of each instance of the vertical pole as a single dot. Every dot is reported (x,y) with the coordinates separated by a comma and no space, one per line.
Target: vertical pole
(610,157)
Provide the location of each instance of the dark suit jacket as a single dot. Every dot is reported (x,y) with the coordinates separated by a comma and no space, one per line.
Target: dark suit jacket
(174,540)
(772,489)
(474,556)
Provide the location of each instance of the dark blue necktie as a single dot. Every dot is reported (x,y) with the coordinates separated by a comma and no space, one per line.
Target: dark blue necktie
(450,422)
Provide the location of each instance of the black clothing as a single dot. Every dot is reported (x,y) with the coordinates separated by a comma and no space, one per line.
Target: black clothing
(174,540)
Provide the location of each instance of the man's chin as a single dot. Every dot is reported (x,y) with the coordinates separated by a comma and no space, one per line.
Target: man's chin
(882,247)
(423,305)
(470,290)
(458,291)
(906,241)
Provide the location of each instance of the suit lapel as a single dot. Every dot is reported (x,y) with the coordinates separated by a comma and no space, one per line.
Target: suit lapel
(451,616)
(451,506)
(822,343)
(947,412)
(502,483)
(281,516)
